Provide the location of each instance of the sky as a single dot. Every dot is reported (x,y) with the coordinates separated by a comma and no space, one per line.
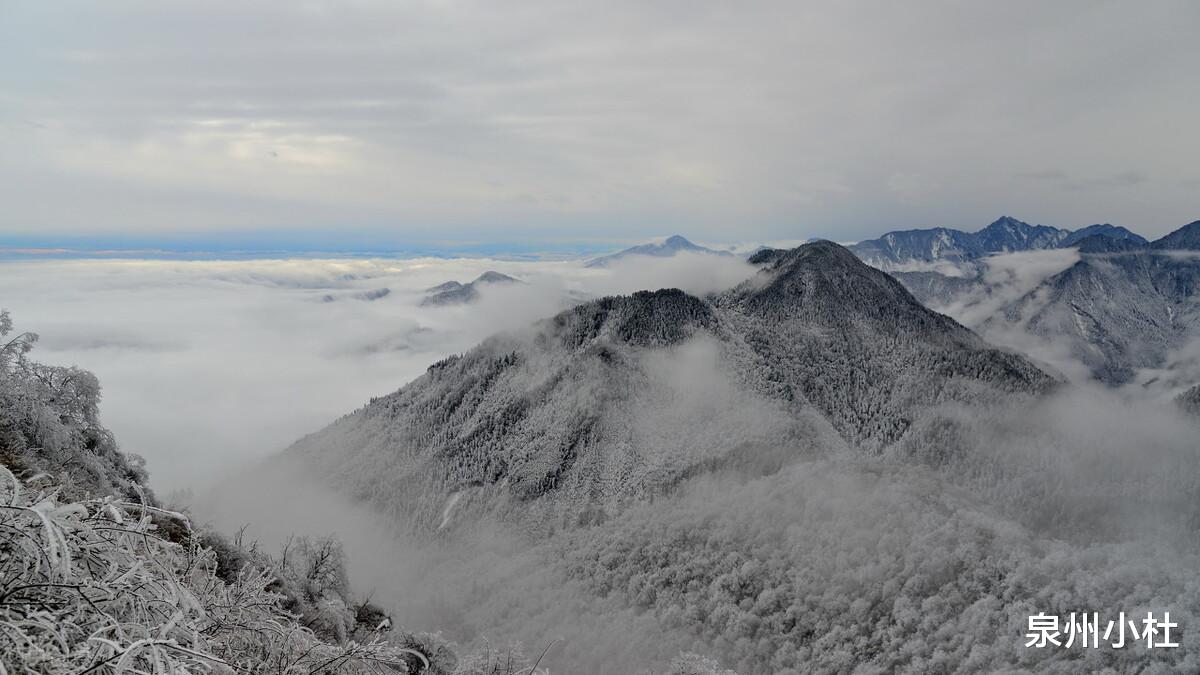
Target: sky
(419,125)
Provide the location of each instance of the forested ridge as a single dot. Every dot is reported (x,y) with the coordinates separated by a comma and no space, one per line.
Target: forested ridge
(97,575)
(611,400)
(810,472)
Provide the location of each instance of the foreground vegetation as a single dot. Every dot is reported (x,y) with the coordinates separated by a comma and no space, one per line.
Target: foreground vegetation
(97,577)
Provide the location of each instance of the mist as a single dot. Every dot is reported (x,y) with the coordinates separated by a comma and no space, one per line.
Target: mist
(207,365)
(486,580)
(715,491)
(1079,499)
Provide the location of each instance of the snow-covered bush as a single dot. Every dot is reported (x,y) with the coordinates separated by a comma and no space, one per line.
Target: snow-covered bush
(49,424)
(92,587)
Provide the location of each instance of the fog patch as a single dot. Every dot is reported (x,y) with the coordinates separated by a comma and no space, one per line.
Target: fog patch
(206,364)
(695,273)
(1004,279)
(1179,372)
(1085,464)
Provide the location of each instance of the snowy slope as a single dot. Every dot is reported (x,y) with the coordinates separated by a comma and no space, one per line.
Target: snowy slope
(1117,311)
(809,472)
(816,352)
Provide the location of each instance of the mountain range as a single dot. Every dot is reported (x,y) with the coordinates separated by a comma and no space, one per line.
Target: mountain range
(902,249)
(810,471)
(1126,305)
(1119,309)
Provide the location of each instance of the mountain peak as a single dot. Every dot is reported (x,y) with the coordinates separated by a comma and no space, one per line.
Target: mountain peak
(646,318)
(1006,221)
(493,277)
(672,245)
(1186,238)
(1008,234)
(826,281)
(816,252)
(1104,243)
(1107,230)
(455,293)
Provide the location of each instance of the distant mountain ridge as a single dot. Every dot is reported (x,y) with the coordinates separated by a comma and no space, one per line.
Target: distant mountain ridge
(1107,231)
(456,293)
(673,245)
(1125,305)
(896,250)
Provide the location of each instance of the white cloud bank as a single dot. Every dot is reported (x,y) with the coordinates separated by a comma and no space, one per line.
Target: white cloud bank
(208,364)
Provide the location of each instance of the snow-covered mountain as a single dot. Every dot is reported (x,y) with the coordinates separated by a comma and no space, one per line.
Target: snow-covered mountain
(896,249)
(904,250)
(1121,307)
(1105,230)
(818,350)
(456,293)
(1101,243)
(673,245)
(1186,238)
(934,289)
(808,472)
(1007,234)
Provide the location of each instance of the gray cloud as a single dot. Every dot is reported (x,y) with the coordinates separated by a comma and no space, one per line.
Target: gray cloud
(1065,181)
(470,119)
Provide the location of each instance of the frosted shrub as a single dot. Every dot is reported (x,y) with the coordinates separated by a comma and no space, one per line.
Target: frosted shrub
(91,587)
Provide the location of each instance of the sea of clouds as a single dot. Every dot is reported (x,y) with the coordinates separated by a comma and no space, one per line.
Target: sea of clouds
(208,365)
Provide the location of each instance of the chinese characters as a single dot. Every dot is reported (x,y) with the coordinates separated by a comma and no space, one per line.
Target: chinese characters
(1047,630)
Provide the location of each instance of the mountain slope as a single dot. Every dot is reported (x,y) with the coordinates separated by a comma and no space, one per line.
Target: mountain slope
(725,466)
(1106,230)
(934,289)
(566,411)
(1186,238)
(1100,243)
(1189,401)
(88,550)
(621,398)
(673,245)
(1116,311)
(898,248)
(856,344)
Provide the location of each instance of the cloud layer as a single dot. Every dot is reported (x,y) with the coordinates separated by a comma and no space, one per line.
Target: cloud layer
(427,120)
(209,364)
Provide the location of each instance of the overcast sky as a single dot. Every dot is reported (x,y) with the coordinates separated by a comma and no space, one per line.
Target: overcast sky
(564,121)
